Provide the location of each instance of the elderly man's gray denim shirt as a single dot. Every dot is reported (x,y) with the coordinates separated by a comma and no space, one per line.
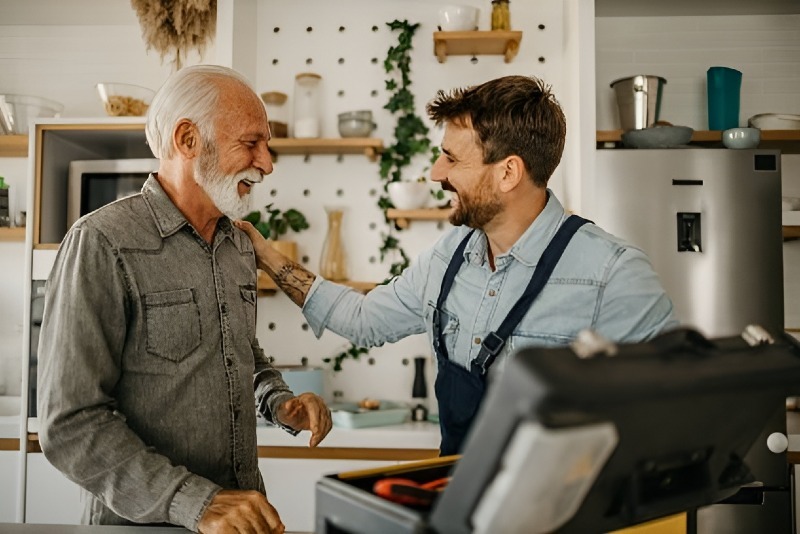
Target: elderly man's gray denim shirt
(150,370)
(601,283)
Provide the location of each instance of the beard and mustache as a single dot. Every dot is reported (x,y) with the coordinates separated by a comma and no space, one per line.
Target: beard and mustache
(221,188)
(474,209)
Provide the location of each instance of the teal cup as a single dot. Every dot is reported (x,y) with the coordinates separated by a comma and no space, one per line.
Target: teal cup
(724,86)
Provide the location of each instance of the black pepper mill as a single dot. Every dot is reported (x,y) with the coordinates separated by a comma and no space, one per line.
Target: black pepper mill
(419,390)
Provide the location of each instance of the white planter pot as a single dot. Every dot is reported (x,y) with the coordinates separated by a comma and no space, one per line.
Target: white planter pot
(409,195)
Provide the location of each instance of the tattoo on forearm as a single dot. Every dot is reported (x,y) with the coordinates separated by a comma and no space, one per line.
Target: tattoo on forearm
(294,280)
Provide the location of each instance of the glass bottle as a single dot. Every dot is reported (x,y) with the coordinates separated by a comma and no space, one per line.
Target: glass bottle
(5,204)
(274,101)
(306,120)
(501,15)
(333,262)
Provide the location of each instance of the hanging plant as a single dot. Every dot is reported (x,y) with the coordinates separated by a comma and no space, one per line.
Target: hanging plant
(410,132)
(410,140)
(175,27)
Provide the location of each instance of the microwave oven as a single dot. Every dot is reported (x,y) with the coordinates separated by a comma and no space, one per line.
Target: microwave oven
(94,183)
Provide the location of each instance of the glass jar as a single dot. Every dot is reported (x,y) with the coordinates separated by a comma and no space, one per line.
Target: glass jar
(501,15)
(306,120)
(276,113)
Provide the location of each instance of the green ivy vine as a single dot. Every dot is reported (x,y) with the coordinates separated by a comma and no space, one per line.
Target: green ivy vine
(410,140)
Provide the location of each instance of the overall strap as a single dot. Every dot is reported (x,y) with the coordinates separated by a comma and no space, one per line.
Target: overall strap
(447,283)
(495,341)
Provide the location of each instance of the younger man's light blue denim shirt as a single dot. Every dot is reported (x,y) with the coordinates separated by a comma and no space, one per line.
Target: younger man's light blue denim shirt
(601,283)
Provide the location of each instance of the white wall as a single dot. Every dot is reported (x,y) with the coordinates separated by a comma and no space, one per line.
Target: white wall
(765,48)
(72,50)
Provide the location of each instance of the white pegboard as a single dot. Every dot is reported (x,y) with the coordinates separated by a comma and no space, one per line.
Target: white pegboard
(346,43)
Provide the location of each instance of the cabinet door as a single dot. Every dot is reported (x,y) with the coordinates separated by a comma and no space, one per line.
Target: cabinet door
(291,482)
(50,496)
(9,464)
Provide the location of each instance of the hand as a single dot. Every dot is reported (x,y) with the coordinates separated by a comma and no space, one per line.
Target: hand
(254,235)
(307,412)
(240,511)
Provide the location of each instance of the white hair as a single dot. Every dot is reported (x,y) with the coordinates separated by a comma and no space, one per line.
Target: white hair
(191,93)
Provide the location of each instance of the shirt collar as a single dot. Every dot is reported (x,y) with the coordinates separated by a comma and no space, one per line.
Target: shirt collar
(530,245)
(168,217)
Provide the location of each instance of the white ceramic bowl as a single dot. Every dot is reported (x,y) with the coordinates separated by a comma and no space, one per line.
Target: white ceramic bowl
(16,111)
(409,195)
(458,18)
(741,138)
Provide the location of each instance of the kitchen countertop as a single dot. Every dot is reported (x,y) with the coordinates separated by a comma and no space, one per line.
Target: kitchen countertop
(410,441)
(27,528)
(17,528)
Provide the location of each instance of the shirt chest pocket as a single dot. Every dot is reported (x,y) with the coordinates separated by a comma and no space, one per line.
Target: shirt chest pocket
(172,321)
(448,326)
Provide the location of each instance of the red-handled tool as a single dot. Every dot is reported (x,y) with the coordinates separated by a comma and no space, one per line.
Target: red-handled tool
(406,491)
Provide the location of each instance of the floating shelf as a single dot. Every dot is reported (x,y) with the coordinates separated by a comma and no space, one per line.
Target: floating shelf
(369,146)
(16,146)
(265,284)
(13,146)
(476,43)
(404,217)
(787,141)
(12,234)
(791,232)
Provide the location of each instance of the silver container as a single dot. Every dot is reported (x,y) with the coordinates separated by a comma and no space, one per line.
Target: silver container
(356,123)
(639,100)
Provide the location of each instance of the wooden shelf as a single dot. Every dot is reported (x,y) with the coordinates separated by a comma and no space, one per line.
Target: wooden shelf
(369,146)
(476,43)
(13,146)
(16,146)
(791,232)
(265,284)
(404,217)
(12,234)
(787,141)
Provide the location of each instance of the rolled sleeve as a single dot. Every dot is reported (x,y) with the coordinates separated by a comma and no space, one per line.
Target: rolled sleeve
(191,501)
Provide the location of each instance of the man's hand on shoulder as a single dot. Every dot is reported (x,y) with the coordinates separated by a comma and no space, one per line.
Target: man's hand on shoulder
(307,411)
(240,511)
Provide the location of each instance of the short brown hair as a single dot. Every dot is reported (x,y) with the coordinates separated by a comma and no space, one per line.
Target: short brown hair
(513,115)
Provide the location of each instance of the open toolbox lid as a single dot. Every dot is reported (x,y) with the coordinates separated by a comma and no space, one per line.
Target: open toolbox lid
(596,437)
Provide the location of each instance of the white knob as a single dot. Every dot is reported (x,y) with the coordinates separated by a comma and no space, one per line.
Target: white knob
(777,442)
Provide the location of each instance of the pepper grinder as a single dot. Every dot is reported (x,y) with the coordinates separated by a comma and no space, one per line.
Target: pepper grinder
(419,390)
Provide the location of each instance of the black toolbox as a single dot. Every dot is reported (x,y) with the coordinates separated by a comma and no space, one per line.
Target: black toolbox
(591,438)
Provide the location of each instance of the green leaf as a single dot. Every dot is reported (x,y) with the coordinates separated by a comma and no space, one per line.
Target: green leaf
(253,217)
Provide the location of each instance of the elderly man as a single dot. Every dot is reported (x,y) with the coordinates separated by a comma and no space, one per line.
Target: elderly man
(150,371)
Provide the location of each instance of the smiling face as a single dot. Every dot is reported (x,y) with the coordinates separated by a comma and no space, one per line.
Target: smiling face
(238,157)
(460,169)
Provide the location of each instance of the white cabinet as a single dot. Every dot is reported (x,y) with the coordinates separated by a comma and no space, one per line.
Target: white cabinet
(9,473)
(290,485)
(50,496)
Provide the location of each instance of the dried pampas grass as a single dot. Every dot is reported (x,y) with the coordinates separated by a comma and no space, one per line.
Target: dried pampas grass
(173,27)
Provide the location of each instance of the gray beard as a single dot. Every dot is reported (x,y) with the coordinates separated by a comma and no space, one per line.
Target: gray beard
(222,189)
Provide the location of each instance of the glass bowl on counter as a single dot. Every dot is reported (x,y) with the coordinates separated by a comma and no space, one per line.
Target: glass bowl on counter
(16,111)
(124,99)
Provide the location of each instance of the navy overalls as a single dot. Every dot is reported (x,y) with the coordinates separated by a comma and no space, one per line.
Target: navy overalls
(459,391)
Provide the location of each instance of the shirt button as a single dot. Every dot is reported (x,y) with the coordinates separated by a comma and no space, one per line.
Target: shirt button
(492,292)
(477,341)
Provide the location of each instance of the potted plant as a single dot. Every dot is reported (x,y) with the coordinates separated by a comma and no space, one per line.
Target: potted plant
(276,224)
